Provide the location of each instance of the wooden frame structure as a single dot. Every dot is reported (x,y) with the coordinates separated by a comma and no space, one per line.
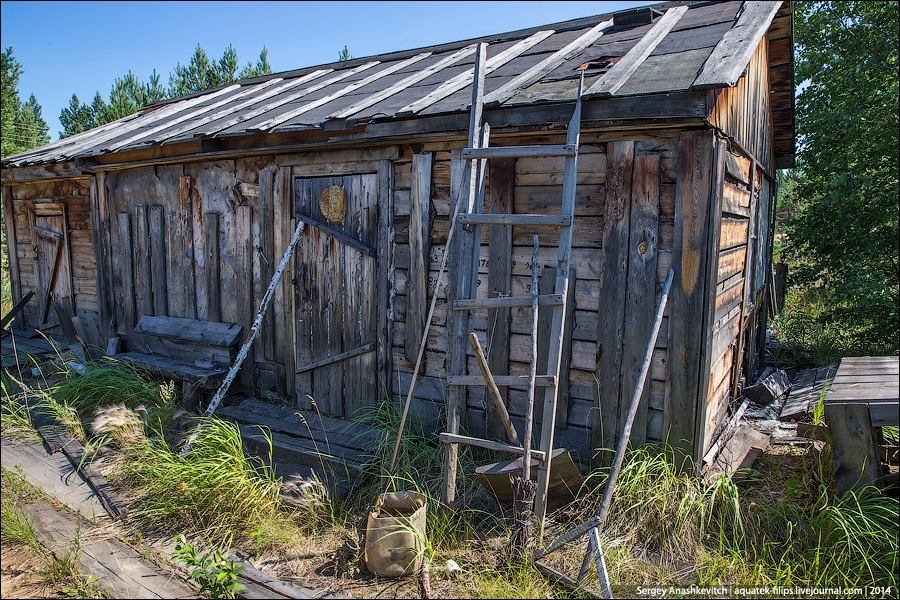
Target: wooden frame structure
(183,208)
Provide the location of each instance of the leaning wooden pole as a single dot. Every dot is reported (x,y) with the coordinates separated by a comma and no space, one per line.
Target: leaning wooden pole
(253,334)
(254,329)
(598,520)
(524,488)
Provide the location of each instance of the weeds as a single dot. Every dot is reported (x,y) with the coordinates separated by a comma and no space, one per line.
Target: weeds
(216,575)
(59,571)
(199,492)
(670,528)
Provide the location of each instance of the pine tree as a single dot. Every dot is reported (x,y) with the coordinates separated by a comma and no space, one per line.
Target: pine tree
(23,127)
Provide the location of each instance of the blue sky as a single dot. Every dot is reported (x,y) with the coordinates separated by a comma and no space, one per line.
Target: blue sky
(80,48)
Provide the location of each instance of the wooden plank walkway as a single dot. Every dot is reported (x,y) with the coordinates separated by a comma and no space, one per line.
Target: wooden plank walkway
(865,394)
(18,345)
(305,442)
(805,392)
(121,570)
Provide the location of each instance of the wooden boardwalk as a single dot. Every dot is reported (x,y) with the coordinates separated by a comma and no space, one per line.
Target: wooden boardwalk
(865,394)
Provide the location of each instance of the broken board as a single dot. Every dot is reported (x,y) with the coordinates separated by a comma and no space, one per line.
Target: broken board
(565,478)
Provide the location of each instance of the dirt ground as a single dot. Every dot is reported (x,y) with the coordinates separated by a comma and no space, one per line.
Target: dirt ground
(22,577)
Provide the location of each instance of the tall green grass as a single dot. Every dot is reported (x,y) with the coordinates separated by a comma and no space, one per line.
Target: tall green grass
(214,491)
(678,529)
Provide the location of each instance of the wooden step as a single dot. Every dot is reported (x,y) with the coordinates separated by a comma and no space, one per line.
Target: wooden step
(514,219)
(521,151)
(306,444)
(501,380)
(507,302)
(452,438)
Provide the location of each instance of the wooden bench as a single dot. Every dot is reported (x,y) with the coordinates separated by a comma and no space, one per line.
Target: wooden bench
(865,393)
(197,353)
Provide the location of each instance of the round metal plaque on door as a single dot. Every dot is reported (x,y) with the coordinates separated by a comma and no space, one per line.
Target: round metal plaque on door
(333,203)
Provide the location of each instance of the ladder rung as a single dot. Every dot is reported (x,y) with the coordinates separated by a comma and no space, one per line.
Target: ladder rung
(507,302)
(508,219)
(452,438)
(520,151)
(501,380)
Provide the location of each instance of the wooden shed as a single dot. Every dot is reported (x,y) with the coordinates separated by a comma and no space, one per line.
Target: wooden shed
(184,209)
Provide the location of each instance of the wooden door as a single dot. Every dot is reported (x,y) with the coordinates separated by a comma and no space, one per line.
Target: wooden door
(52,265)
(335,308)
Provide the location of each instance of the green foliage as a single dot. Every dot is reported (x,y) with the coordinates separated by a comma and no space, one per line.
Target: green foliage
(344,55)
(196,492)
(129,94)
(201,73)
(843,237)
(805,336)
(216,575)
(23,127)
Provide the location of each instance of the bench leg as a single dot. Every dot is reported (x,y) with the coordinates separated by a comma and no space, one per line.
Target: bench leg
(853,451)
(190,396)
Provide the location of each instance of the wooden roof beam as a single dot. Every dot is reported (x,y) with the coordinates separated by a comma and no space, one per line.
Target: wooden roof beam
(464,79)
(535,73)
(730,57)
(274,122)
(289,98)
(620,72)
(405,83)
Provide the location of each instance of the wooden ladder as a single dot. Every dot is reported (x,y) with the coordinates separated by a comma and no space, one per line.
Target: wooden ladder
(469,214)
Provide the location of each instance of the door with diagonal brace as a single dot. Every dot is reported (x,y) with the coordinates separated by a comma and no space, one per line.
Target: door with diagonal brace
(335,279)
(52,264)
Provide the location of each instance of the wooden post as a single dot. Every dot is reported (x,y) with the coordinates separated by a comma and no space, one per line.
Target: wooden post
(613,277)
(419,248)
(383,259)
(244,251)
(100,234)
(211,250)
(127,276)
(640,293)
(12,250)
(158,260)
(143,274)
(853,450)
(186,228)
(690,299)
(502,173)
(267,254)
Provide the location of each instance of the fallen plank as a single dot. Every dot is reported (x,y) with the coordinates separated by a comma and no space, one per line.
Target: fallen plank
(741,451)
(53,474)
(15,310)
(774,384)
(805,392)
(118,568)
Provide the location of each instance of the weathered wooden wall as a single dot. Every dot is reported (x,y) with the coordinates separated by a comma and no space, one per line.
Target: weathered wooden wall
(533,186)
(198,241)
(744,111)
(76,275)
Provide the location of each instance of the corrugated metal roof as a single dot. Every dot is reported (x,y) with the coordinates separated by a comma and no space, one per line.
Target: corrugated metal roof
(523,67)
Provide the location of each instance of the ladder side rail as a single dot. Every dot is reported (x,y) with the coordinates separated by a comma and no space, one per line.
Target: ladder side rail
(554,356)
(456,396)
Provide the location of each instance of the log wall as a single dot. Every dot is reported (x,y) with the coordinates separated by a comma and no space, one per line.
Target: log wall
(533,186)
(77,264)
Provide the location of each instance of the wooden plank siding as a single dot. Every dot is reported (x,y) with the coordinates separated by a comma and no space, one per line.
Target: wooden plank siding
(743,112)
(74,198)
(536,189)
